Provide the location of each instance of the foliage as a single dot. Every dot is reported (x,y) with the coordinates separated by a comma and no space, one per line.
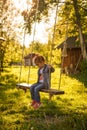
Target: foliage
(10,51)
(8,20)
(65,12)
(83,65)
(38,11)
(8,25)
(66,24)
(65,112)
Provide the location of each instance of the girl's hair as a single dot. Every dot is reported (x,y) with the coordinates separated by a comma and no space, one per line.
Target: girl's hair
(39,59)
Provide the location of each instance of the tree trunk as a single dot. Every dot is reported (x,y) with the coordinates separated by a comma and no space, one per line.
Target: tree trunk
(78,19)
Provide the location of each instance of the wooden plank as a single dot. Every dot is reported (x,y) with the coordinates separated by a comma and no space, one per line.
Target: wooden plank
(26,86)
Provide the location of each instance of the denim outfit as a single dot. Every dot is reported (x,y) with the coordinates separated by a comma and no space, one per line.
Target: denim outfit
(35,88)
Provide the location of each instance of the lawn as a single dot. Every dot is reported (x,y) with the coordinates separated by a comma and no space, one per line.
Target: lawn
(63,112)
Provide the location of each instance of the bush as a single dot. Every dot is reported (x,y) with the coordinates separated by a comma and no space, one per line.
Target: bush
(83,65)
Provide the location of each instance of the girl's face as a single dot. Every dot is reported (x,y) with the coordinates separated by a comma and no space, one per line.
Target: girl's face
(40,65)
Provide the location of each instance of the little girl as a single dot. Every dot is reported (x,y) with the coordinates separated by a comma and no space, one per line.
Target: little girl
(43,81)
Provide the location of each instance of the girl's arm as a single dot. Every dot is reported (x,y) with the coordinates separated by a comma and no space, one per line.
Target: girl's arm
(51,69)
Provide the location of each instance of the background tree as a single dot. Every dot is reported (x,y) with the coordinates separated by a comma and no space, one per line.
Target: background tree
(8,30)
(78,20)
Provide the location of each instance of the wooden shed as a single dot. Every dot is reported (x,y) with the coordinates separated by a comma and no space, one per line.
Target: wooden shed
(71,60)
(29,59)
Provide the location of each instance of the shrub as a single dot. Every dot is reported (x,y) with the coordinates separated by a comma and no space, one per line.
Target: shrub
(83,65)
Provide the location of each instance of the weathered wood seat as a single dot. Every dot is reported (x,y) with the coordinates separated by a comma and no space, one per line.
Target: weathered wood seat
(51,91)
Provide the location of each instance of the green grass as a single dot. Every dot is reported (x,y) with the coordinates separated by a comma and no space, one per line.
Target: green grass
(63,112)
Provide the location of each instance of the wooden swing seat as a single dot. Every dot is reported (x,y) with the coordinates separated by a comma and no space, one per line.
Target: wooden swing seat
(25,86)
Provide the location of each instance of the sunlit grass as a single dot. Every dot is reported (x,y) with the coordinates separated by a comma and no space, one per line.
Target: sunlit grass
(65,112)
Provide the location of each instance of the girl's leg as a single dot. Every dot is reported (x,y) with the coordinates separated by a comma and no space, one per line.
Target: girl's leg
(32,91)
(36,92)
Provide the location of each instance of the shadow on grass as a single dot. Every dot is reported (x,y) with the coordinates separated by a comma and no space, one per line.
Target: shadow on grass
(8,83)
(51,115)
(81,76)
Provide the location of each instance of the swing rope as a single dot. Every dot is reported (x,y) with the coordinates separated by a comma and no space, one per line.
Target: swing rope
(53,38)
(22,57)
(54,32)
(35,18)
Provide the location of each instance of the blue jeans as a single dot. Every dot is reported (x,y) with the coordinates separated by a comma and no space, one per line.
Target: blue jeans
(34,90)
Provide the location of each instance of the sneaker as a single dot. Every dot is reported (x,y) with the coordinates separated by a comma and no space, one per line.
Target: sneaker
(37,105)
(33,103)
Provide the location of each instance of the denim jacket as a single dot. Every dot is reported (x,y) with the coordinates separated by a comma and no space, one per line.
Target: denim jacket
(46,75)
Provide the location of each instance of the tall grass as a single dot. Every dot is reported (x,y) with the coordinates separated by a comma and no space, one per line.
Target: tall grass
(63,112)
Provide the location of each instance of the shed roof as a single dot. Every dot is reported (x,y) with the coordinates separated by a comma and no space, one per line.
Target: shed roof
(31,55)
(71,42)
